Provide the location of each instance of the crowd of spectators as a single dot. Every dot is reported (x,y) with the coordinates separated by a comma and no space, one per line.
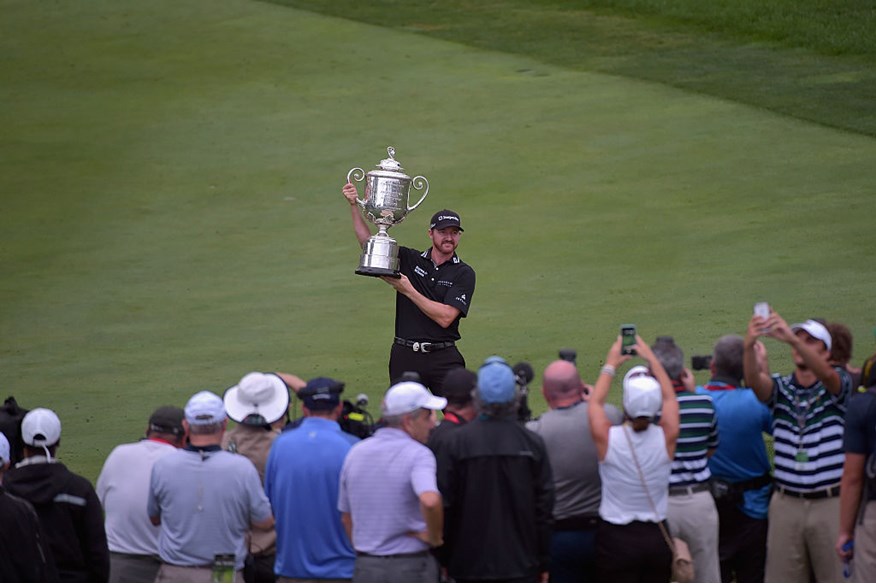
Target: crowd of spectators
(462,487)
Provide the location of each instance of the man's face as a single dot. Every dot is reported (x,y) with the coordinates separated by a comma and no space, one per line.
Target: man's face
(445,240)
(812,342)
(420,424)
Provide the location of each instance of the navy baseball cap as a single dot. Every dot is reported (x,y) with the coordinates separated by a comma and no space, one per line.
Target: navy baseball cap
(445,218)
(321,393)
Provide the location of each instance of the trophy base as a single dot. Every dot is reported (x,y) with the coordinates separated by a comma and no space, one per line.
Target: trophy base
(378,272)
(379,257)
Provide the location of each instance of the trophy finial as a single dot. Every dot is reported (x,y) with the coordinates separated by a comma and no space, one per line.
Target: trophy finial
(391,151)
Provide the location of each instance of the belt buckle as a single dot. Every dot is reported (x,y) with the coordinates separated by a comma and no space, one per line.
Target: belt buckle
(425,347)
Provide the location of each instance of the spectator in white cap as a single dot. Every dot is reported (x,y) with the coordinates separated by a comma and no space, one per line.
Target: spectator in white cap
(635,460)
(389,499)
(808,407)
(258,404)
(24,556)
(498,490)
(123,488)
(68,507)
(205,499)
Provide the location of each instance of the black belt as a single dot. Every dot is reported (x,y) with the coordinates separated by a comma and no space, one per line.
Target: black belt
(689,489)
(755,483)
(424,346)
(576,523)
(833,491)
(391,556)
(126,556)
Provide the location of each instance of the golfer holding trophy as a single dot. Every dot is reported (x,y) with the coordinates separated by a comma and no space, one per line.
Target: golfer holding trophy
(434,287)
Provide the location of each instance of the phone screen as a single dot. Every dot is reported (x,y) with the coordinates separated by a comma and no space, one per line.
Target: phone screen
(628,339)
(762,309)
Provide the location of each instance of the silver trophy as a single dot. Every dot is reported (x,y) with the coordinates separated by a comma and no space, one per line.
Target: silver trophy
(387,203)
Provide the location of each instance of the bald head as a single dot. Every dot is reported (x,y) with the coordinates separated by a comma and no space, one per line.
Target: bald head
(561,384)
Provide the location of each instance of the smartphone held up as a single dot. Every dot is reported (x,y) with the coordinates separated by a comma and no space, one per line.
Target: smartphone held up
(628,339)
(762,309)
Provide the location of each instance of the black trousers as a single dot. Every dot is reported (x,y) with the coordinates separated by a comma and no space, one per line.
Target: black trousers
(742,544)
(431,367)
(636,552)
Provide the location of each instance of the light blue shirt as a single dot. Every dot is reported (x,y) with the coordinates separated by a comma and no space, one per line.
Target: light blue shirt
(206,503)
(301,481)
(381,482)
(742,455)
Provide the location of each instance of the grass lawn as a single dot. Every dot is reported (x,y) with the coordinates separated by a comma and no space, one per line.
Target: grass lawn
(170,176)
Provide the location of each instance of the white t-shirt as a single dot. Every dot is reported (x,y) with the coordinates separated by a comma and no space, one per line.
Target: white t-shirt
(623,497)
(123,489)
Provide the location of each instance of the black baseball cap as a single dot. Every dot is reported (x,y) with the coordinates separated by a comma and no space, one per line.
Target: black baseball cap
(167,420)
(458,384)
(445,218)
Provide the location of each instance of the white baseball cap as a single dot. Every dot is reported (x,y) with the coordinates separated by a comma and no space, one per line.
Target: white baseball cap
(259,394)
(642,394)
(204,408)
(815,329)
(41,427)
(410,396)
(4,450)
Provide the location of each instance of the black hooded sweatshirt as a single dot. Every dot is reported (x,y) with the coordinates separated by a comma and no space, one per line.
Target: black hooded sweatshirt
(71,517)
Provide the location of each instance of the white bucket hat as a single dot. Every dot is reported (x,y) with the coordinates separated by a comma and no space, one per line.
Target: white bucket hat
(258,394)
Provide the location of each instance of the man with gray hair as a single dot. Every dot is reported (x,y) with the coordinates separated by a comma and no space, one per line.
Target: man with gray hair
(388,498)
(691,513)
(741,481)
(565,429)
(205,499)
(498,490)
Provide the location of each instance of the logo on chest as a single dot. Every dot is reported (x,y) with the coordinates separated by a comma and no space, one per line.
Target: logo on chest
(420,271)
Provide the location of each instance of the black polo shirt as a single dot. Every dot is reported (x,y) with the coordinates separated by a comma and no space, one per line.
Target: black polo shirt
(451,283)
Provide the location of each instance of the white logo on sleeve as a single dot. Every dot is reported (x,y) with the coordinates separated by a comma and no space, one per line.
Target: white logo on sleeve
(462,298)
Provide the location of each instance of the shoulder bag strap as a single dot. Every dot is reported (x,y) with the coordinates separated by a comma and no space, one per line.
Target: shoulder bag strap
(668,539)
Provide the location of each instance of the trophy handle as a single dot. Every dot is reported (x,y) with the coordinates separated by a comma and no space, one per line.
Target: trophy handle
(419,183)
(358,175)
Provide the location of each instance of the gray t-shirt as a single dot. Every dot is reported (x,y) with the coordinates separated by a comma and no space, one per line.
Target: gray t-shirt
(574,462)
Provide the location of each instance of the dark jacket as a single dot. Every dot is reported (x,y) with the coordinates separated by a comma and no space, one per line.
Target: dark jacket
(71,517)
(24,555)
(495,477)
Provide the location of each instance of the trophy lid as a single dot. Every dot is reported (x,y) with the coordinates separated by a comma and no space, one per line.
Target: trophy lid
(390,163)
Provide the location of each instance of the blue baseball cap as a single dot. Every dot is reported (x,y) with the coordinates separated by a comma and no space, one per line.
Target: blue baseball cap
(497,383)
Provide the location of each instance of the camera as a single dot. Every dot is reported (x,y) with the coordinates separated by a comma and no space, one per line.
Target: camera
(524,374)
(570,355)
(700,362)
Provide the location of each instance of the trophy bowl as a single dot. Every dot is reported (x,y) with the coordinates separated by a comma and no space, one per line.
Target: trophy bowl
(386,203)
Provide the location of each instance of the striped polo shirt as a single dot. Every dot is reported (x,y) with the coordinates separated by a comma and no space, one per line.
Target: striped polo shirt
(698,433)
(808,430)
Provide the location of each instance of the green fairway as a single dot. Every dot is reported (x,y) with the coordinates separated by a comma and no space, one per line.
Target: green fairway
(172,218)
